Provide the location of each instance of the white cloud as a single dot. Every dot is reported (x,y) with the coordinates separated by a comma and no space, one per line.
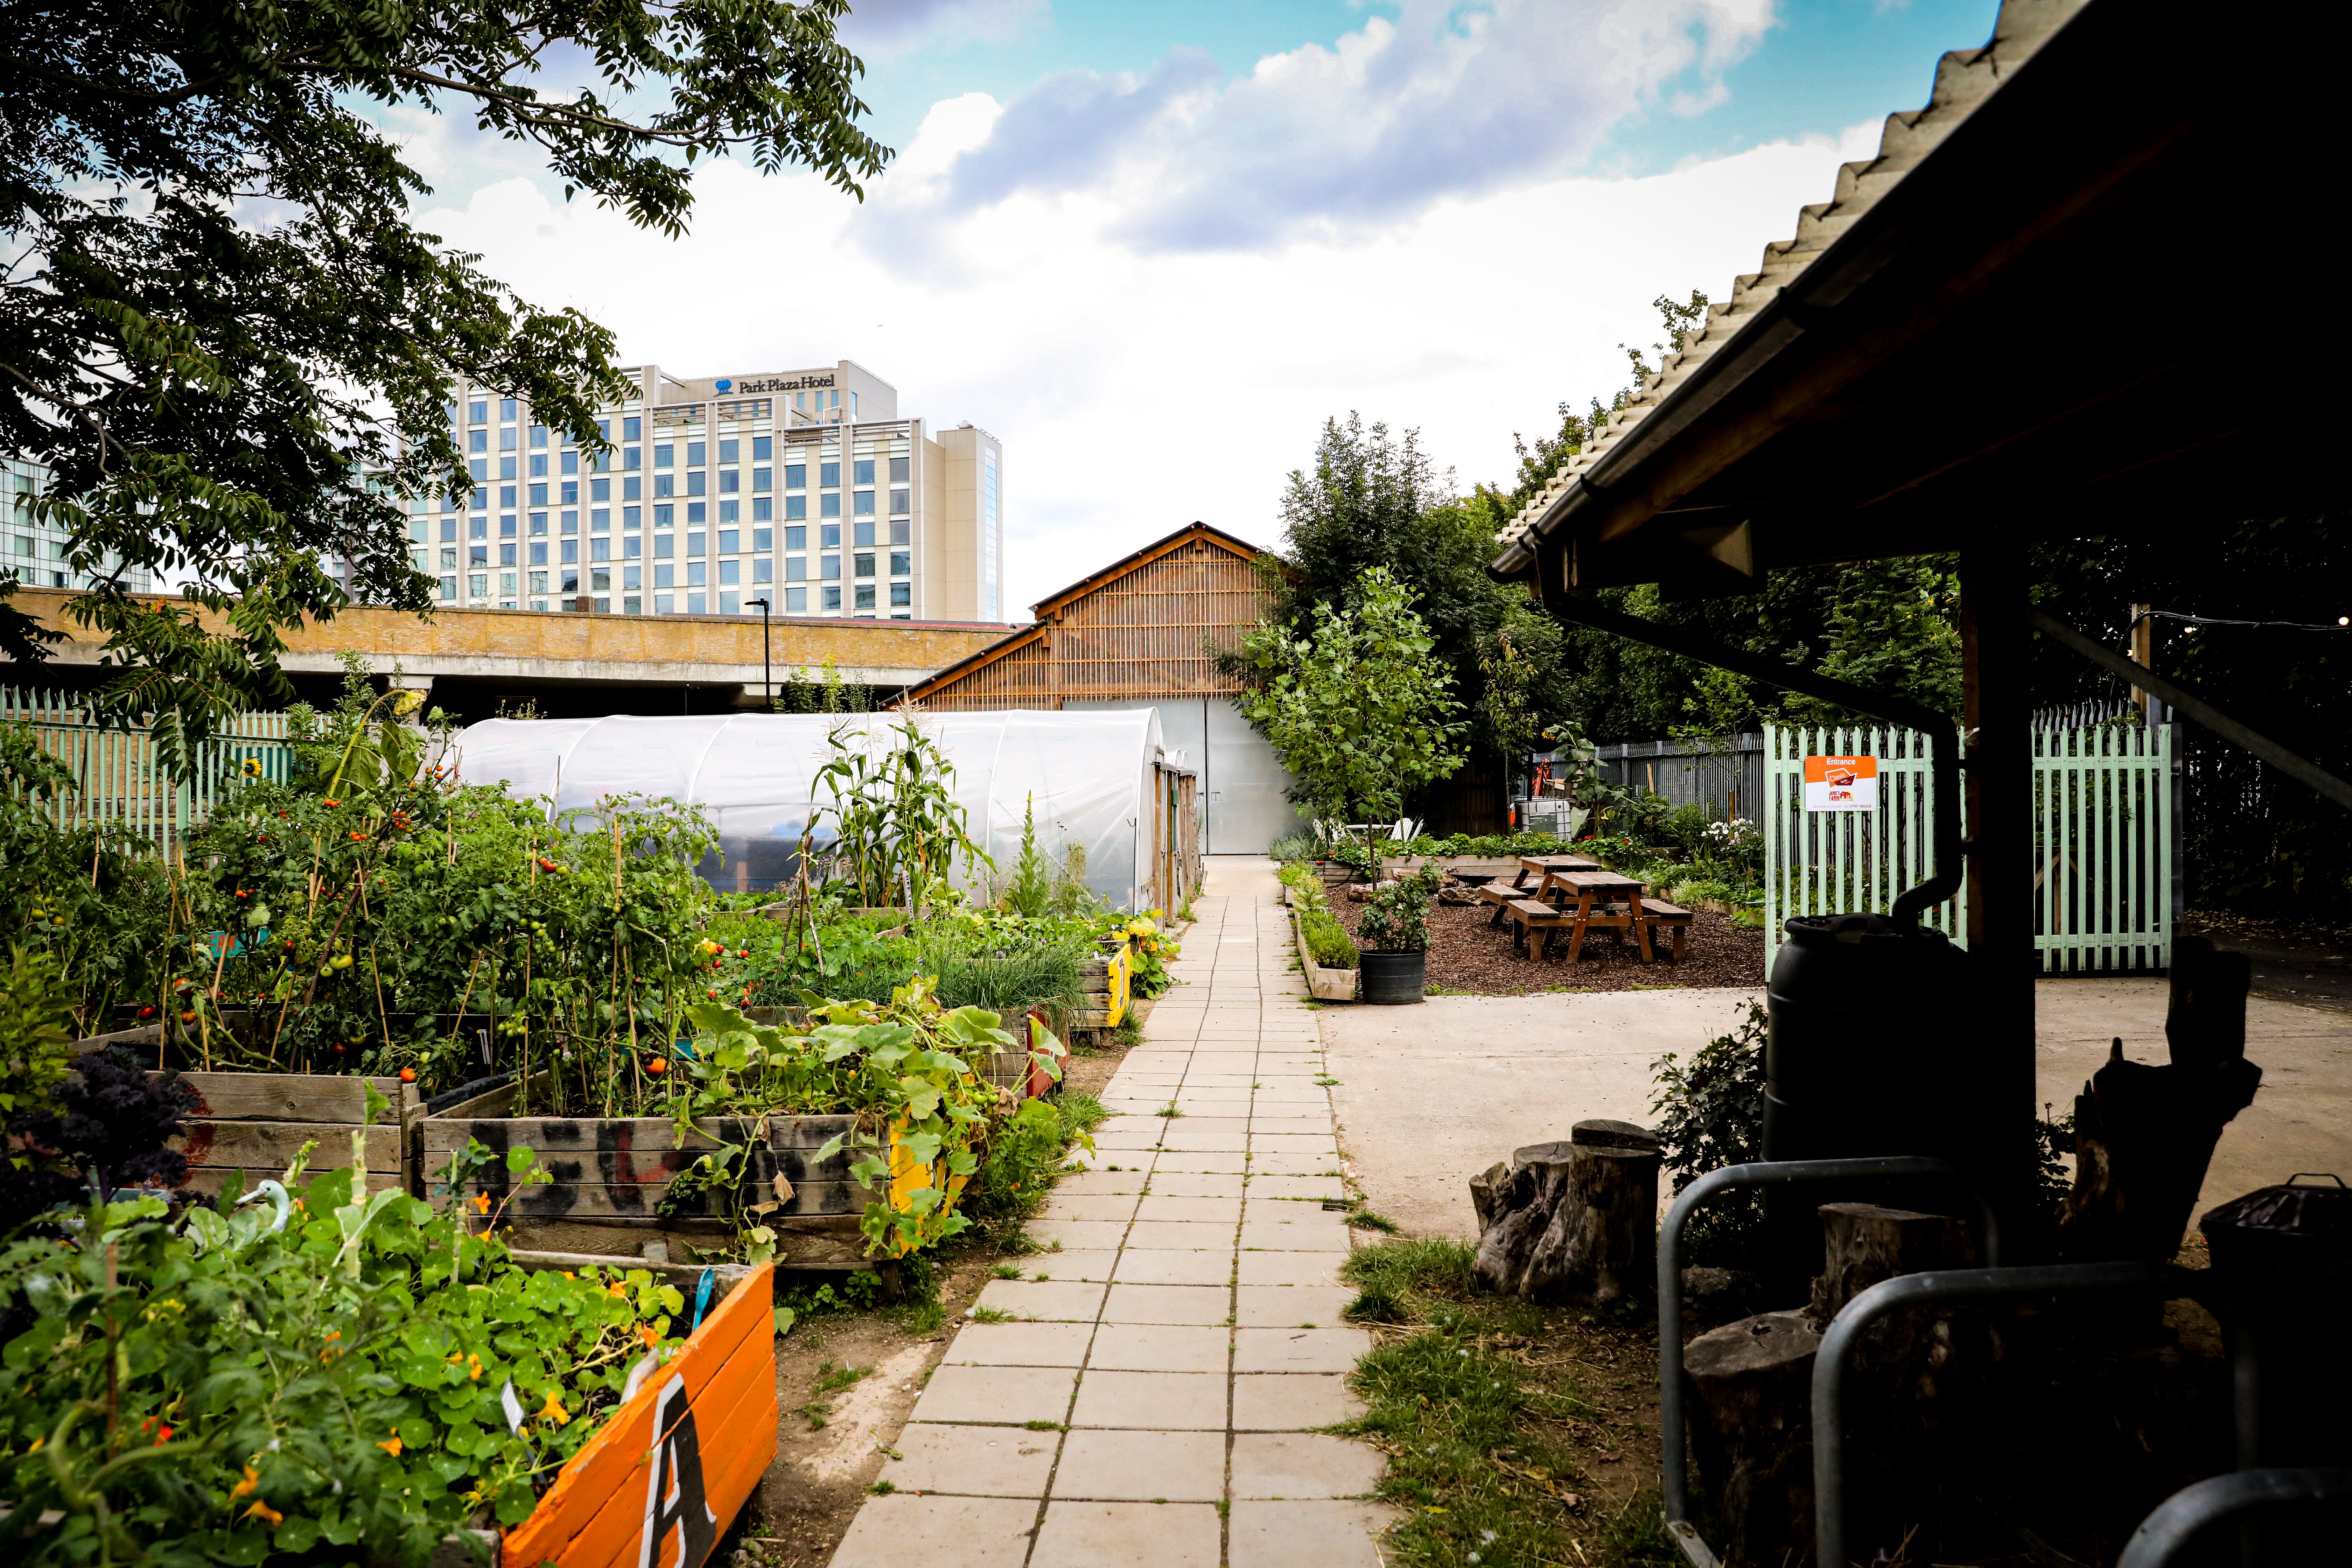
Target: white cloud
(1139,388)
(1447,101)
(886,29)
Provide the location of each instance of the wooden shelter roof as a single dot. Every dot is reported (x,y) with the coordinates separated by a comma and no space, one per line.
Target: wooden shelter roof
(2057,300)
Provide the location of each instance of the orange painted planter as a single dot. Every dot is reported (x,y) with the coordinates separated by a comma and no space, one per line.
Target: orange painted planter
(677,1460)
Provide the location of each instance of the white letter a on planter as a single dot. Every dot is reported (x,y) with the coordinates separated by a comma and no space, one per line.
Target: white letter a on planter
(673,1499)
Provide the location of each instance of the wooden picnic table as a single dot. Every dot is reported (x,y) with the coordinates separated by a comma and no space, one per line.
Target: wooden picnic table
(1543,866)
(1586,889)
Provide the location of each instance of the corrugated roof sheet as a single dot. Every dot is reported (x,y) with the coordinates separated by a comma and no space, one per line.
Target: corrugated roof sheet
(1964,79)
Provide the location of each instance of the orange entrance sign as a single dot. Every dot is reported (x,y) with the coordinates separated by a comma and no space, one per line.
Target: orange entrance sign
(1840,783)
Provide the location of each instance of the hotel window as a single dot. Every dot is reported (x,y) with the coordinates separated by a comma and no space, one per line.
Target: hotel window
(901,531)
(449,587)
(728,450)
(633,488)
(730,542)
(697,482)
(478,441)
(730,480)
(694,603)
(763,479)
(865,507)
(481,414)
(477,528)
(829,568)
(539,435)
(796,601)
(662,542)
(899,468)
(478,584)
(571,493)
(538,582)
(572,581)
(633,546)
(505,408)
(600,520)
(865,598)
(506,585)
(696,511)
(795,476)
(632,577)
(763,510)
(694,450)
(633,606)
(831,506)
(477,555)
(665,576)
(694,543)
(901,594)
(665,456)
(600,549)
(505,525)
(507,471)
(506,555)
(731,572)
(665,604)
(796,538)
(539,465)
(832,598)
(763,540)
(899,502)
(763,569)
(763,448)
(572,553)
(570,522)
(448,557)
(665,485)
(795,568)
(863,561)
(570,463)
(698,574)
(481,500)
(539,553)
(795,506)
(863,472)
(600,582)
(731,603)
(631,429)
(539,495)
(665,515)
(629,516)
(448,528)
(829,535)
(629,455)
(862,535)
(902,562)
(828,475)
(601,489)
(507,438)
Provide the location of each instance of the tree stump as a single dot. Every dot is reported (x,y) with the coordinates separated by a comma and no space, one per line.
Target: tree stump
(1864,1243)
(2144,1135)
(1751,1386)
(1573,1221)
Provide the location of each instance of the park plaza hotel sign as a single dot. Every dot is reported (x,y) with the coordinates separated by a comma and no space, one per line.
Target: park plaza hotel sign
(811,382)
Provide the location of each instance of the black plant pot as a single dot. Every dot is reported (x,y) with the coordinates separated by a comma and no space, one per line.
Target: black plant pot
(1391,977)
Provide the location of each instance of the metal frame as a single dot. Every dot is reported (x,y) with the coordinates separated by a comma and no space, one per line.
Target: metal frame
(1946,1287)
(2177,1520)
(1674,1477)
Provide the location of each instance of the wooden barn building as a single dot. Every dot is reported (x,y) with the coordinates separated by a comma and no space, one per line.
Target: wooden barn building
(1145,631)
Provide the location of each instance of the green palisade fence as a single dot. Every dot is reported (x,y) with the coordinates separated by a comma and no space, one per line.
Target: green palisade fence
(2103,841)
(117,775)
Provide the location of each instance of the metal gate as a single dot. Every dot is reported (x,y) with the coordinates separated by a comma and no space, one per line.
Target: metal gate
(2105,834)
(117,778)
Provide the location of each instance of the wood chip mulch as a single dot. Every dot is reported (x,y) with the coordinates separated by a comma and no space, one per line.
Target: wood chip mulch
(1467,957)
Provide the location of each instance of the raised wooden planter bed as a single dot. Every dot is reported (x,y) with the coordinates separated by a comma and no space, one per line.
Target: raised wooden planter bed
(256,1121)
(1324,985)
(1107,984)
(612,1173)
(683,1453)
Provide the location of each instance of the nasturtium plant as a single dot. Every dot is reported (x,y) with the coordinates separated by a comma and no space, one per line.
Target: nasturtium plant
(372,1375)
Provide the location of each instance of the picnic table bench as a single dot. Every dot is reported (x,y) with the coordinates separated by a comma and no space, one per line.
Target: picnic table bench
(1589,901)
(1540,865)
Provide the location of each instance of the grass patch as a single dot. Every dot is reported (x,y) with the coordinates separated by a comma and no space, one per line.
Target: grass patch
(1365,1219)
(1008,1272)
(1169,1110)
(1042,1426)
(830,1378)
(988,1315)
(1477,1443)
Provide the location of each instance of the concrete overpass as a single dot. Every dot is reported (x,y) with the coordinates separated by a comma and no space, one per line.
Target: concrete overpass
(567,665)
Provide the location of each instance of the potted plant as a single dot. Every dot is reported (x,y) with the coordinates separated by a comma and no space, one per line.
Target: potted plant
(1394,937)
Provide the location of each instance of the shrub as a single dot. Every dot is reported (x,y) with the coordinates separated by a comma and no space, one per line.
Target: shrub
(1711,1114)
(1327,940)
(1397,918)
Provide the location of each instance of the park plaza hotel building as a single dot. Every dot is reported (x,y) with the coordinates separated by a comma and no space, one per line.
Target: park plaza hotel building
(803,487)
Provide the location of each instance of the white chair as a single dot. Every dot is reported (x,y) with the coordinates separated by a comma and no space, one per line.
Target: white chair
(1405,830)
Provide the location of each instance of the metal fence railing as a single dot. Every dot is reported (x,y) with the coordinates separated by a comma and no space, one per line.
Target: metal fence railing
(2106,838)
(117,778)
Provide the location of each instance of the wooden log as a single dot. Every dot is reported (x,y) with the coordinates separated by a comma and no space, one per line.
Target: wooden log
(1751,1386)
(1864,1243)
(1574,1221)
(2144,1135)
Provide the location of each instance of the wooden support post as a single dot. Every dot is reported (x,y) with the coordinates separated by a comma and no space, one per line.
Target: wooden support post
(2000,794)
(2143,649)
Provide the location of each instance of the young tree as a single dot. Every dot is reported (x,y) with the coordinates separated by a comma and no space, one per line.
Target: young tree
(1358,708)
(221,330)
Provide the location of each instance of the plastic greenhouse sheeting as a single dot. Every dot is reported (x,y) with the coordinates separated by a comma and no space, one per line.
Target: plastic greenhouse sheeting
(1089,772)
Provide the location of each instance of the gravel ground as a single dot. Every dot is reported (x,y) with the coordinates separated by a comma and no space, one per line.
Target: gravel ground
(1467,957)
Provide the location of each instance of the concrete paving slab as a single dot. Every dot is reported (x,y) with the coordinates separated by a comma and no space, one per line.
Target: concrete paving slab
(1127,1535)
(1009,1395)
(1307,1534)
(1161,1347)
(1153,1401)
(972,1533)
(1288,1268)
(1194,1184)
(1290,1306)
(1299,1350)
(1169,1266)
(1292,1400)
(1086,1263)
(1302,1465)
(1068,1301)
(1168,1304)
(1152,1466)
(1020,1344)
(972,1461)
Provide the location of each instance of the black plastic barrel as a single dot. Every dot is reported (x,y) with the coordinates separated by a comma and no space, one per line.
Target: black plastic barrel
(1867,1051)
(1389,977)
(2285,1255)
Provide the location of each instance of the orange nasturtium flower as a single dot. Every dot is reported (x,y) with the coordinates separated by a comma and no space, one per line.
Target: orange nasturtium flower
(252,1480)
(391,1444)
(553,1410)
(481,1203)
(266,1514)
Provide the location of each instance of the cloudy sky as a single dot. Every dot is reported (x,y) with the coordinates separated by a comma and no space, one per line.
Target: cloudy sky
(1152,245)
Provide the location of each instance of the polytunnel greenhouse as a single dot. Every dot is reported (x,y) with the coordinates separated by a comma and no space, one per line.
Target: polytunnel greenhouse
(1098,780)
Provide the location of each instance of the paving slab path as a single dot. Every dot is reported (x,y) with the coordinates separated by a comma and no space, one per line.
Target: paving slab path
(1152,1399)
